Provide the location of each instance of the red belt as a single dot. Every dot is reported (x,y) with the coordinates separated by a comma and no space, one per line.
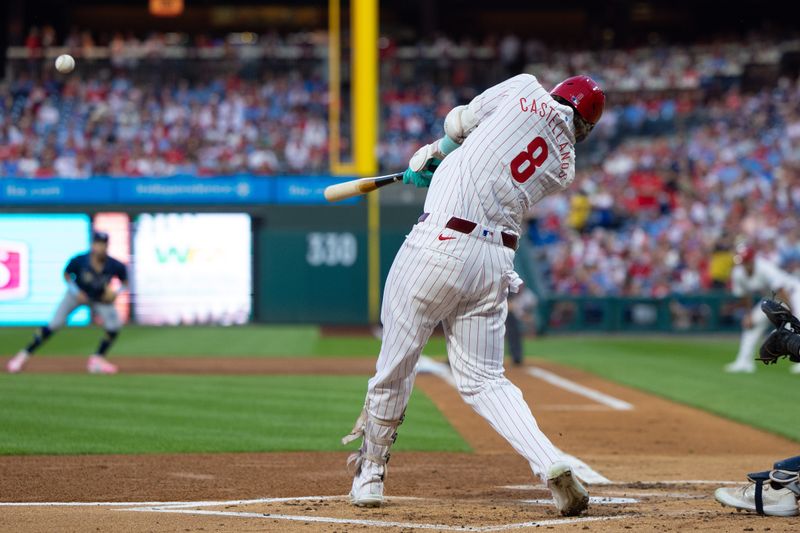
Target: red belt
(465,226)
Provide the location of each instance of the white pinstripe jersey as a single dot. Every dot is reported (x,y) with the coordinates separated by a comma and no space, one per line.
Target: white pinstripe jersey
(767,276)
(522,150)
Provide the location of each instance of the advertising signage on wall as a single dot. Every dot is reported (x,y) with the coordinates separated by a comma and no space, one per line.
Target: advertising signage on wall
(193,190)
(192,268)
(235,190)
(34,250)
(54,192)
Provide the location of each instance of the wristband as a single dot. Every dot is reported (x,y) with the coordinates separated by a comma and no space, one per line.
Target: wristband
(447,145)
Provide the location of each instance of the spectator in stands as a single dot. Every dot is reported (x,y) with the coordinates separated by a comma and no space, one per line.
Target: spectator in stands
(721,264)
(674,176)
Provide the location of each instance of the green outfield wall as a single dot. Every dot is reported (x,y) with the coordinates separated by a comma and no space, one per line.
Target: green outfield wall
(309,264)
(311,261)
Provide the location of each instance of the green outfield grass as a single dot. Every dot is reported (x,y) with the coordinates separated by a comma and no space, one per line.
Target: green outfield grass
(254,340)
(78,414)
(687,370)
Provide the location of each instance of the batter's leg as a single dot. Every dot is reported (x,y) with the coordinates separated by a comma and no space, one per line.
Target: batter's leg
(475,348)
(421,289)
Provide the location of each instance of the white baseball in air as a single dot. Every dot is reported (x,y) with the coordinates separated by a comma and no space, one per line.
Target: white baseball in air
(65,63)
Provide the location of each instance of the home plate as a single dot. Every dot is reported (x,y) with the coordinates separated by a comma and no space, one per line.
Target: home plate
(595,500)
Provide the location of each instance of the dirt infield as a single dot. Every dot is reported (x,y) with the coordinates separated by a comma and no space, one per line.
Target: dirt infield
(662,460)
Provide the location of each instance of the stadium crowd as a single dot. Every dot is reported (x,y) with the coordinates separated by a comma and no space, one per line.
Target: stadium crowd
(104,125)
(682,167)
(116,127)
(655,67)
(663,215)
(115,120)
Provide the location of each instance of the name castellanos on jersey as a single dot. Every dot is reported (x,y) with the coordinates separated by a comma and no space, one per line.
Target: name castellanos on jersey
(549,113)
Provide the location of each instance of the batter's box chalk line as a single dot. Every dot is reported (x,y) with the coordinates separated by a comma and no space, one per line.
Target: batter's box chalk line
(201,503)
(199,508)
(427,365)
(580,390)
(185,508)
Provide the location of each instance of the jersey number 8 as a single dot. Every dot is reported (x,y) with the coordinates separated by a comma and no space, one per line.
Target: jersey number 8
(520,171)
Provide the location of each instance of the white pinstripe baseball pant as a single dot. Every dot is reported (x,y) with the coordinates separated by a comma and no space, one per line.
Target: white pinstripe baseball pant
(440,275)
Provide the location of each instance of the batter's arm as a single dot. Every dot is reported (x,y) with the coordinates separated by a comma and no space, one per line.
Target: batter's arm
(458,124)
(463,119)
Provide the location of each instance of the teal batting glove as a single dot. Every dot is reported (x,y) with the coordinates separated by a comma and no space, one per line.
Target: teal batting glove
(423,177)
(420,179)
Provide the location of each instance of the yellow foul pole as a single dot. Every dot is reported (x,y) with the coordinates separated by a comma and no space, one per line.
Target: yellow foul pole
(334,81)
(364,102)
(337,167)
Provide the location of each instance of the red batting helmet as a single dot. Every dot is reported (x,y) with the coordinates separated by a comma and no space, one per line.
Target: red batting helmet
(583,93)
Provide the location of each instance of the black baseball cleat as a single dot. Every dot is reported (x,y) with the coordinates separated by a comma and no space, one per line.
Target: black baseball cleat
(779,315)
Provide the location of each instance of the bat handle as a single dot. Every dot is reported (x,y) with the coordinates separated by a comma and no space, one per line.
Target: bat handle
(386,180)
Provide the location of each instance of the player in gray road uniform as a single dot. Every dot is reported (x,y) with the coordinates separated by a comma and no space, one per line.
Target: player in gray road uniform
(88,277)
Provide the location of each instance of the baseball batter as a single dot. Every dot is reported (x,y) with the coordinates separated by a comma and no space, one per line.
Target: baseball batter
(510,147)
(88,277)
(756,276)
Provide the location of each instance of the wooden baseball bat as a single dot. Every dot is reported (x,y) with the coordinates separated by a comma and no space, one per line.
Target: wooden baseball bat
(349,189)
